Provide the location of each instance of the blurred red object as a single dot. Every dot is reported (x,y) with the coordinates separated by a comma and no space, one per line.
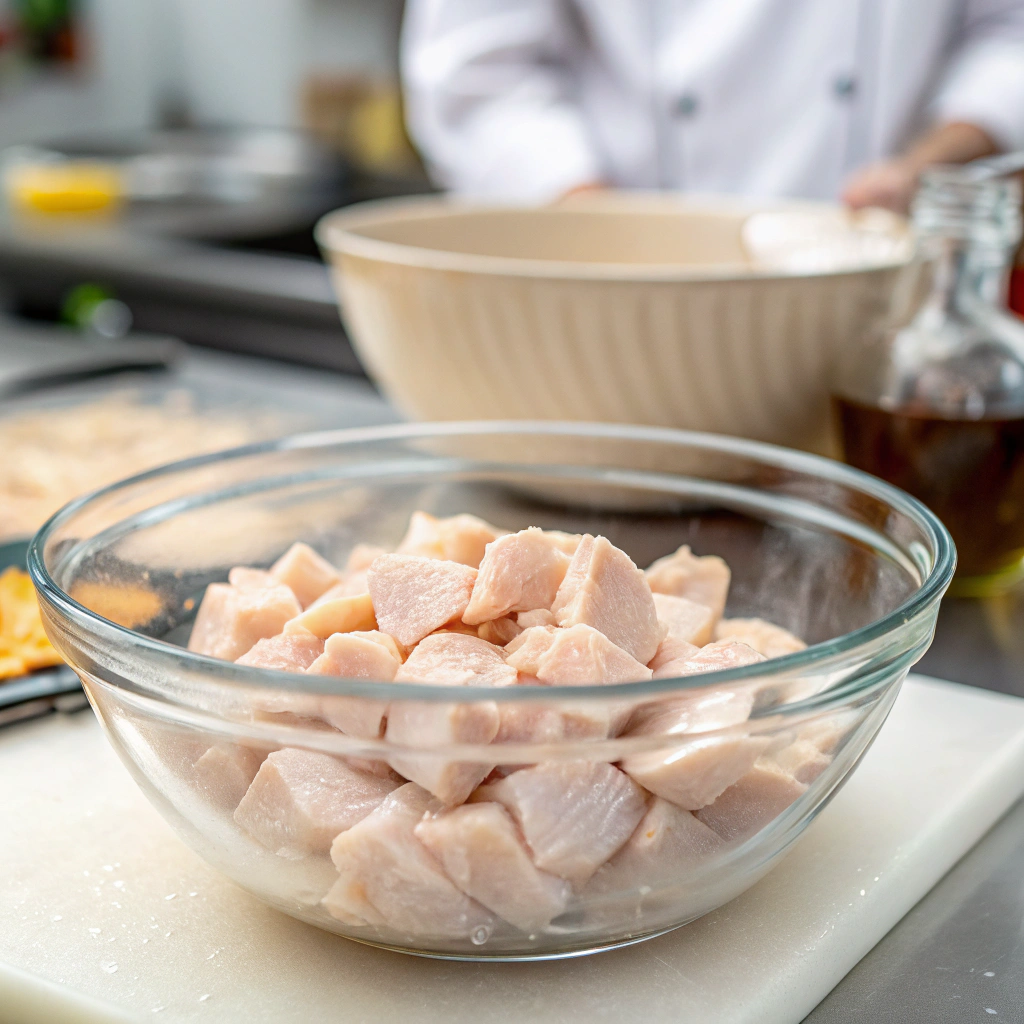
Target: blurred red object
(1017,290)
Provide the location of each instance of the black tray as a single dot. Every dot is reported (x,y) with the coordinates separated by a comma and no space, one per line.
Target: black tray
(51,689)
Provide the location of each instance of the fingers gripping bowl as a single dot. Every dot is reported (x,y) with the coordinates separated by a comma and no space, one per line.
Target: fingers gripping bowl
(468,814)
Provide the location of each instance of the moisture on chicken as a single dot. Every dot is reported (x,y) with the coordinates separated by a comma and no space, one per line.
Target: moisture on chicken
(412,596)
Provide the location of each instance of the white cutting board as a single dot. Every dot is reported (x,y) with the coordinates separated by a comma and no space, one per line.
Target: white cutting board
(100,902)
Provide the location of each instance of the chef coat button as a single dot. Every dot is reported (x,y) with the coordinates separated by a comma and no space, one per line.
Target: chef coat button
(686,105)
(844,87)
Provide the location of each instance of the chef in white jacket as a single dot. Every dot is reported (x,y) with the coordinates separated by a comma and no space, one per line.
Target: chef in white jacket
(530,100)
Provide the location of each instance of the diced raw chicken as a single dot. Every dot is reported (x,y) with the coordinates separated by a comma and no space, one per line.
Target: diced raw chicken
(543,723)
(500,631)
(758,798)
(803,760)
(388,878)
(225,772)
(826,733)
(519,573)
(413,596)
(567,542)
(766,638)
(447,659)
(300,800)
(305,572)
(232,619)
(686,620)
(454,659)
(362,556)
(286,652)
(360,655)
(692,773)
(338,615)
(604,589)
(482,853)
(702,579)
(573,815)
(582,656)
(525,651)
(671,656)
(668,843)
(714,657)
(458,626)
(243,576)
(538,617)
(462,538)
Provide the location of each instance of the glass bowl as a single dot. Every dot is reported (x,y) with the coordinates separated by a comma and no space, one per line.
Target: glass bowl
(592,859)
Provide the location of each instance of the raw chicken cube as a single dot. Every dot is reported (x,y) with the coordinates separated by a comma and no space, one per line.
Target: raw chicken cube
(758,798)
(803,760)
(225,772)
(413,596)
(232,619)
(701,579)
(723,654)
(286,652)
(525,651)
(500,631)
(453,660)
(604,589)
(388,878)
(462,538)
(360,655)
(361,557)
(482,853)
(538,617)
(686,620)
(573,815)
(243,576)
(305,572)
(457,626)
(667,844)
(827,733)
(519,573)
(766,638)
(543,723)
(567,542)
(582,656)
(338,615)
(692,773)
(671,657)
(300,800)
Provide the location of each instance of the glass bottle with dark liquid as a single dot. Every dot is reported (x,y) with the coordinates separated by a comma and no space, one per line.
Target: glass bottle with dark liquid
(934,402)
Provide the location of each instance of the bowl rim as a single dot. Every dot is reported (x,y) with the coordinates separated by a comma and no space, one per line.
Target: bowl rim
(816,656)
(337,234)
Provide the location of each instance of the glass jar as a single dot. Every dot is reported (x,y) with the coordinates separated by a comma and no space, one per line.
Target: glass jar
(933,401)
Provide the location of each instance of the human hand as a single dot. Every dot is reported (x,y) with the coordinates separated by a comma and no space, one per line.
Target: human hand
(890,184)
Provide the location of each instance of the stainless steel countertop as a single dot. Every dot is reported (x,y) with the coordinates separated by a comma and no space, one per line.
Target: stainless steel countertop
(960,951)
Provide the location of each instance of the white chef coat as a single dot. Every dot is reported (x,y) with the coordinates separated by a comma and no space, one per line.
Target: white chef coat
(524,99)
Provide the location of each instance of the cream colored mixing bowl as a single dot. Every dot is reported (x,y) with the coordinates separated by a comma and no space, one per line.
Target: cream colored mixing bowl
(706,314)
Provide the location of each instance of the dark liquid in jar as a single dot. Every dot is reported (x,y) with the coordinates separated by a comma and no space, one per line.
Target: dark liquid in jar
(970,473)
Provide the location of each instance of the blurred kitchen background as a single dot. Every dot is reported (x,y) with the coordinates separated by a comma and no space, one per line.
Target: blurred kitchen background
(242,121)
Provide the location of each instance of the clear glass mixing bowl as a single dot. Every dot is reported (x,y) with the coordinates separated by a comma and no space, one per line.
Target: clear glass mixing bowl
(849,563)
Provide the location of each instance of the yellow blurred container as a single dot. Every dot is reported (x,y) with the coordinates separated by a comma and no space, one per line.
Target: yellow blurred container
(65,187)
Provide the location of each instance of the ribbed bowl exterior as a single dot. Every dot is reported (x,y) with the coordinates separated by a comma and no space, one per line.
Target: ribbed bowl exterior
(750,357)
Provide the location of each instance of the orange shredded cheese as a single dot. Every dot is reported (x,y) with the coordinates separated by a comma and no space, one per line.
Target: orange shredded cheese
(23,644)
